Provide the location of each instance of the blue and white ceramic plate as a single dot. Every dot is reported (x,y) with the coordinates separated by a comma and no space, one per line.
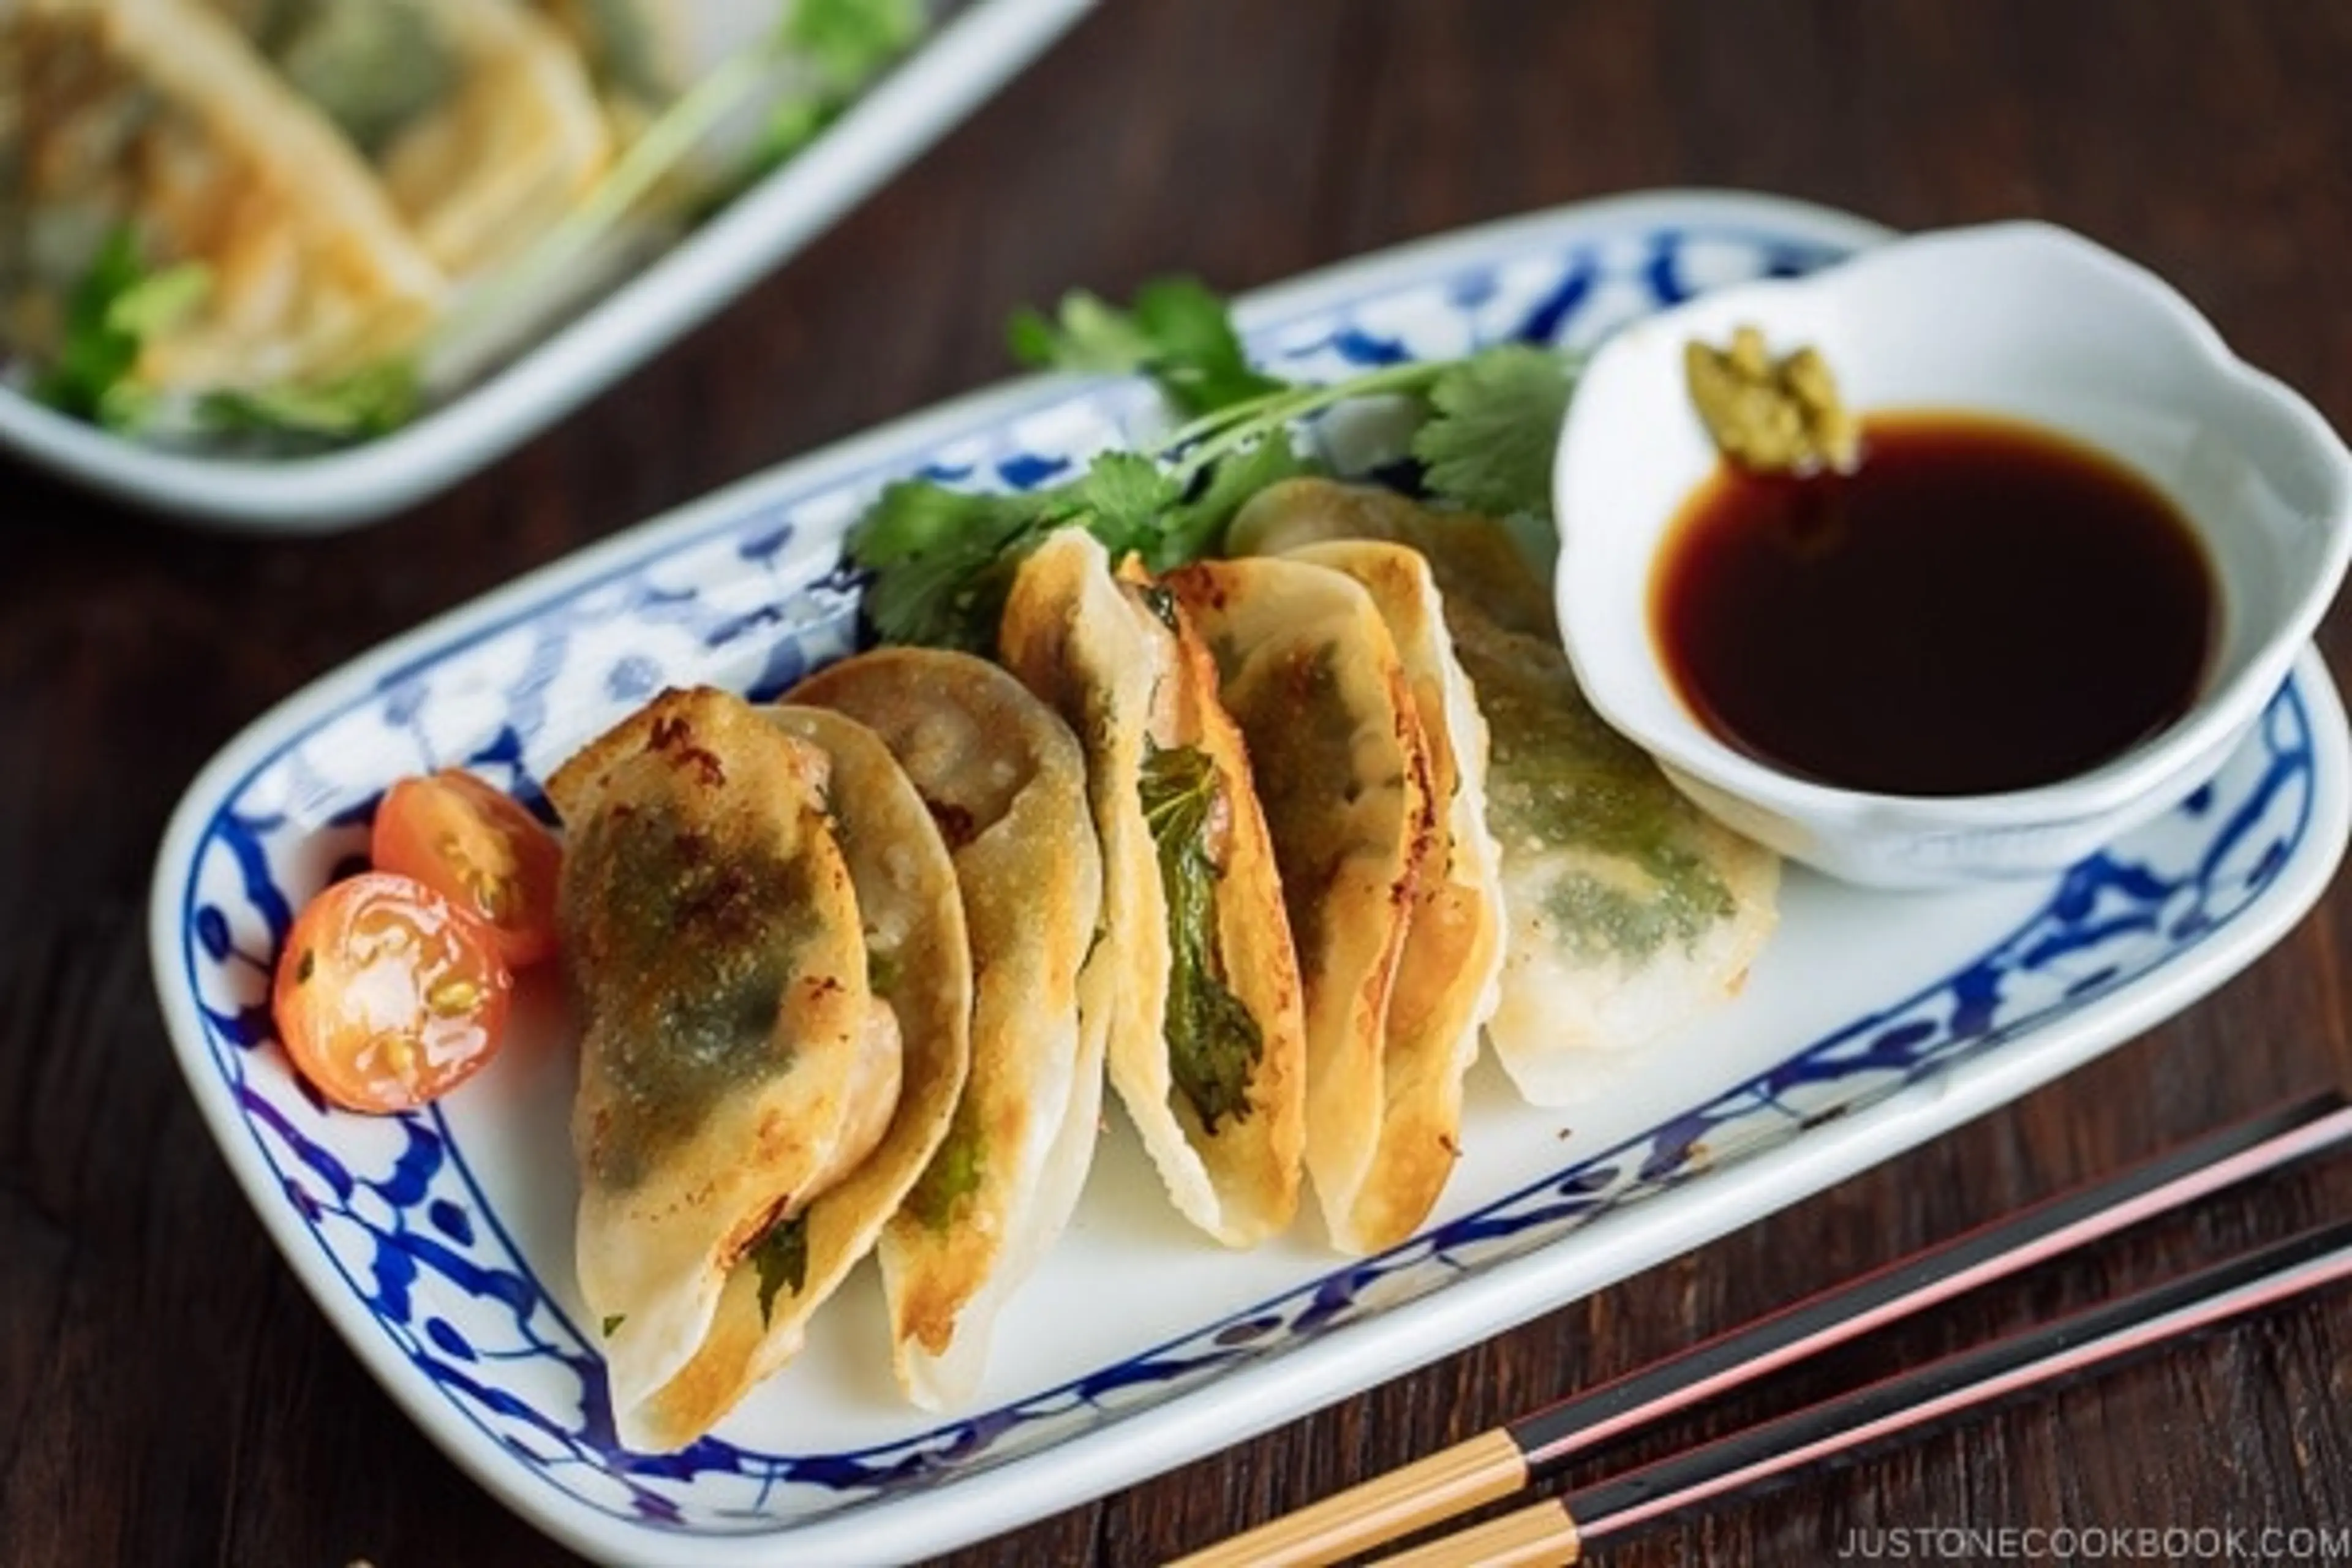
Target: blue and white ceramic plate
(440,1244)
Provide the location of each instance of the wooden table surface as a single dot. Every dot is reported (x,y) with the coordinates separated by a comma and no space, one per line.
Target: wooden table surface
(169,1395)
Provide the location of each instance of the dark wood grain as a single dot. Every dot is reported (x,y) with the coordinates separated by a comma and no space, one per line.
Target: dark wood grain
(169,1395)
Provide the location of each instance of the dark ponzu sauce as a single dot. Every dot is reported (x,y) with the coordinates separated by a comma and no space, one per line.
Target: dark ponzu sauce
(1979,606)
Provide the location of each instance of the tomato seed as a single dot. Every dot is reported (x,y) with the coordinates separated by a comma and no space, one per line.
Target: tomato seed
(449,998)
(493,895)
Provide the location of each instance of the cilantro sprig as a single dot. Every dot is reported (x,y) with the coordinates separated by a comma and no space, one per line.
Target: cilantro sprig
(371,400)
(1177,331)
(117,305)
(843,45)
(120,304)
(1494,419)
(942,559)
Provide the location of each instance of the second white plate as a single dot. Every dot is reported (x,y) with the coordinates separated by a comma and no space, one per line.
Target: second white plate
(953,71)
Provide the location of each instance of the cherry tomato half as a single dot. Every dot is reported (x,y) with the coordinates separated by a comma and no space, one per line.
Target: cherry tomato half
(388,994)
(479,848)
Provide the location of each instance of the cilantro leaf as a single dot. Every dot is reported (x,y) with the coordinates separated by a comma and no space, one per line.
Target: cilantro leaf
(1085,335)
(781,1257)
(1215,1043)
(850,40)
(1120,498)
(1199,363)
(1178,332)
(95,353)
(1488,446)
(1195,526)
(846,44)
(158,301)
(942,562)
(793,124)
(913,517)
(371,401)
(112,312)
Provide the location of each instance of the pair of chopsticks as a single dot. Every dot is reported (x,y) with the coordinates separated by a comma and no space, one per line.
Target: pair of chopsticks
(1499,1462)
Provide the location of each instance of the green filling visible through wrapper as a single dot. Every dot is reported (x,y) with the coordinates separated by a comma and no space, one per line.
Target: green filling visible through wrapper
(781,1257)
(722,923)
(1561,778)
(953,1173)
(1213,1043)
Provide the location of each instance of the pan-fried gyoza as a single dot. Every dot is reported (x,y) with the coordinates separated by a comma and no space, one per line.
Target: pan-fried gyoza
(1448,973)
(1206,1042)
(1630,912)
(1271,818)
(150,139)
(1337,755)
(762,925)
(478,115)
(1272,841)
(1005,780)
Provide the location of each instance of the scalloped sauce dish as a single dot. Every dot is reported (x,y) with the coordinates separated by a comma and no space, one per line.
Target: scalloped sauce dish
(2027,616)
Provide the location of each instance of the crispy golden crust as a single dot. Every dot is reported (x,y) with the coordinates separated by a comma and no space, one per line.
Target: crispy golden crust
(1611,938)
(1066,636)
(1006,781)
(733,1054)
(1472,558)
(914,934)
(1084,641)
(1253,1160)
(1306,666)
(1448,975)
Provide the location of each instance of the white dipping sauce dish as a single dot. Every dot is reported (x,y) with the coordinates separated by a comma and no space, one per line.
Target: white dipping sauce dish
(2018,321)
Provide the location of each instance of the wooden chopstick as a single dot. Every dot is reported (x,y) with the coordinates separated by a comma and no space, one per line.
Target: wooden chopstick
(1451,1481)
(1542,1535)
(1500,1461)
(2097,1339)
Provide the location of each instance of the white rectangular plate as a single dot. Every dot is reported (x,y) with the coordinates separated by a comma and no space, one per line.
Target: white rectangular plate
(982,47)
(439,1243)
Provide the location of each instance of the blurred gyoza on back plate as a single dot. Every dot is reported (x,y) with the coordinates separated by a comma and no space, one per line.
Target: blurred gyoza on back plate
(271,225)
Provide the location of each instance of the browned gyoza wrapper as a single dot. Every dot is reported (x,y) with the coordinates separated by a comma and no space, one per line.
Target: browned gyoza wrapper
(1370,757)
(1628,911)
(762,925)
(1224,1125)
(1309,669)
(1005,780)
(1449,973)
